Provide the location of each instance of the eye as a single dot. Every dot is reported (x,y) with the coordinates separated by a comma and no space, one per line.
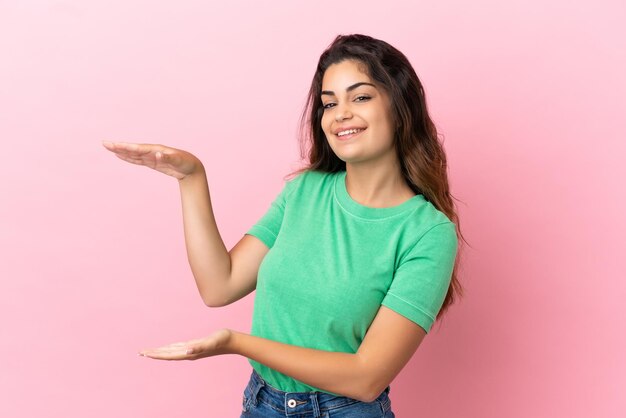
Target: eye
(357,99)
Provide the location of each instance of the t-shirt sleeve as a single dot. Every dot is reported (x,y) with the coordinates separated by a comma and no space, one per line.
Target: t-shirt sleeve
(266,229)
(421,281)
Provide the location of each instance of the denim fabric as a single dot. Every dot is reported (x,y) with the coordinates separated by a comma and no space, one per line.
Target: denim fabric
(261,400)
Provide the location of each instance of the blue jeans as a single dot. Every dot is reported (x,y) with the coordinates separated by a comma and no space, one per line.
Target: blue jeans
(261,400)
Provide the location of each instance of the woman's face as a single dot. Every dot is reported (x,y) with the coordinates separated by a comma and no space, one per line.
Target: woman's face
(352,101)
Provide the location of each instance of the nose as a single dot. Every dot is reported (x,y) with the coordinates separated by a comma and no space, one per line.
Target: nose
(342,112)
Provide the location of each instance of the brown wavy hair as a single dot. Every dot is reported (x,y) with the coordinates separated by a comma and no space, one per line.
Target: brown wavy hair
(420,152)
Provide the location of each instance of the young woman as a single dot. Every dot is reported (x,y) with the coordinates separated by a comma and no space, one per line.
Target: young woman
(355,259)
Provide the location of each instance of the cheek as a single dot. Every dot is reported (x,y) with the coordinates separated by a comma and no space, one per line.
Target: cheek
(325,122)
(386,123)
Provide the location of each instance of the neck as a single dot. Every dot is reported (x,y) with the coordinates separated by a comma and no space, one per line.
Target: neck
(377,186)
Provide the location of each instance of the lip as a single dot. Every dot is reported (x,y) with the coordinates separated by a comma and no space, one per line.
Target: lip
(345,128)
(346,137)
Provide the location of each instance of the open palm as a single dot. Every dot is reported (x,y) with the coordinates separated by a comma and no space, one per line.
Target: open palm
(213,345)
(171,161)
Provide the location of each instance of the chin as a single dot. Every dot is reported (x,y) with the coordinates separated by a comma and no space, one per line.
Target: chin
(349,159)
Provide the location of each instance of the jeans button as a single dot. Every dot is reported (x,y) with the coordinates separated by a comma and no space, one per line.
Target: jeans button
(291,403)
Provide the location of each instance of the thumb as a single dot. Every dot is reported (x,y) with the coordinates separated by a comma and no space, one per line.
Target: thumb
(161,156)
(171,158)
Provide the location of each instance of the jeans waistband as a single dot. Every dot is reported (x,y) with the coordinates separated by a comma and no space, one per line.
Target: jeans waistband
(294,403)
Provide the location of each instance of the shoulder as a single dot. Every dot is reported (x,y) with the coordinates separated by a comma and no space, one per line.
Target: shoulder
(434,243)
(426,216)
(311,179)
(429,227)
(313,175)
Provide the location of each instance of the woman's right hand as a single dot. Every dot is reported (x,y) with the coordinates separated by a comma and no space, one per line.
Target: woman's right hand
(171,161)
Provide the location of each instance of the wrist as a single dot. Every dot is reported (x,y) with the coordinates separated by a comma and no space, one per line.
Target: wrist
(197,174)
(231,340)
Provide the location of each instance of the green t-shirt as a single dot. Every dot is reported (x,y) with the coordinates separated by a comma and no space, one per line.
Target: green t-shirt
(332,262)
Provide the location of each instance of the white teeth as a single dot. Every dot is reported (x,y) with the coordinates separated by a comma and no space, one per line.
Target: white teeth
(349,131)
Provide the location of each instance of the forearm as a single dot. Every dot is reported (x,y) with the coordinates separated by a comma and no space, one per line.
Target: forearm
(341,373)
(208,257)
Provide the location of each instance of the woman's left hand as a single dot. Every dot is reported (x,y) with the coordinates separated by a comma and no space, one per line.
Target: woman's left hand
(213,345)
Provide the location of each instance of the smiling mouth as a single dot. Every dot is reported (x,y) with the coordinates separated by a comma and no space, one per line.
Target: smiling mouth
(350,133)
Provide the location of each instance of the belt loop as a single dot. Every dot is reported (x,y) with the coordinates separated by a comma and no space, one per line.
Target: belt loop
(316,405)
(258,384)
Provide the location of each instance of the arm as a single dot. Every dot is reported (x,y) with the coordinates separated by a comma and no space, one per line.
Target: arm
(388,345)
(208,258)
(221,276)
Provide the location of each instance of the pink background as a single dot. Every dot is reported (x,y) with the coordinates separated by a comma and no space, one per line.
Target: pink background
(528,95)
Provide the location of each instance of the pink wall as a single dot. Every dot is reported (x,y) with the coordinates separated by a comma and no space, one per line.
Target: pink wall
(529,97)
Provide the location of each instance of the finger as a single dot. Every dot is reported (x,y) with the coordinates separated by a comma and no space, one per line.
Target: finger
(116,145)
(117,148)
(166,356)
(132,147)
(169,353)
(133,160)
(169,348)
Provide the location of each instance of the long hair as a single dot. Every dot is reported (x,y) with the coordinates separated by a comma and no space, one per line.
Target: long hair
(421,154)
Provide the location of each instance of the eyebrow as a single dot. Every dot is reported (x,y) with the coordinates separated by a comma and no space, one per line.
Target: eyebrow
(349,89)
